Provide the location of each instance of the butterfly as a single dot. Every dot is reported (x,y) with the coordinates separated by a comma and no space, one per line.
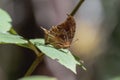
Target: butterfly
(61,36)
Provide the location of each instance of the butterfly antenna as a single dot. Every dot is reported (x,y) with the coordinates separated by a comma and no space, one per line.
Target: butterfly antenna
(45,30)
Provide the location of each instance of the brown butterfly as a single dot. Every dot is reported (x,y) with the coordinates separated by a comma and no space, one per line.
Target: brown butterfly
(61,36)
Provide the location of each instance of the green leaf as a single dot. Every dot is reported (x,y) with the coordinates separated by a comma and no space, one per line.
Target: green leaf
(38,78)
(4,27)
(5,20)
(9,38)
(63,56)
(4,16)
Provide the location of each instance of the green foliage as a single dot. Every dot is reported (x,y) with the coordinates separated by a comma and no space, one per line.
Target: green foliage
(38,78)
(63,56)
(9,36)
(5,27)
(5,20)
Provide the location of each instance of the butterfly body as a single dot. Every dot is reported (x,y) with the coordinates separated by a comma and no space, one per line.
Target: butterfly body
(61,36)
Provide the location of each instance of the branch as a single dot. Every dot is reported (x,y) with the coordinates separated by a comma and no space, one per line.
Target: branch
(76,8)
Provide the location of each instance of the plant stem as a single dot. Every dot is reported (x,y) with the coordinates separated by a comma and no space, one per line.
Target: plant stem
(76,7)
(35,63)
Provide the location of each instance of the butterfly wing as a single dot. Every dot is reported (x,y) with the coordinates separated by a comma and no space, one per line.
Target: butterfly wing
(61,36)
(69,27)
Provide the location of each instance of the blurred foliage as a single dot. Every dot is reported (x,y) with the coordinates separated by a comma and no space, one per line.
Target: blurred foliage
(38,78)
(109,63)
